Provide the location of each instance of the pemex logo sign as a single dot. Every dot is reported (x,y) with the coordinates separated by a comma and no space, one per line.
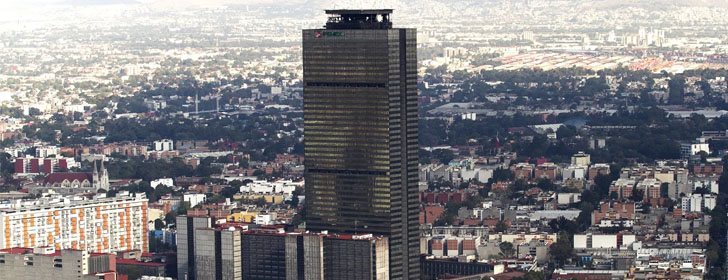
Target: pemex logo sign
(320,34)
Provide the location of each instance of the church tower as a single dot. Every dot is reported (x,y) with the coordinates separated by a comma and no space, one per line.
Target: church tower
(100,177)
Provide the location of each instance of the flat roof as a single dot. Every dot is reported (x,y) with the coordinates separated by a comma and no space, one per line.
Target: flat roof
(135,262)
(359,12)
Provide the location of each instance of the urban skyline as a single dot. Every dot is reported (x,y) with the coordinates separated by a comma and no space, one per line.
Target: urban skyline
(327,139)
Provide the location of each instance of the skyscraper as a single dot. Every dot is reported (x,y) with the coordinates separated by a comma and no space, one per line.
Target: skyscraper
(186,226)
(360,123)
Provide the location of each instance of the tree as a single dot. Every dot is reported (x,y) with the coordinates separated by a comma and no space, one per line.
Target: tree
(260,202)
(532,275)
(602,183)
(613,195)
(506,249)
(6,167)
(296,220)
(715,254)
(294,198)
(229,192)
(637,195)
(171,217)
(501,226)
(563,224)
(701,190)
(34,111)
(502,175)
(664,190)
(677,90)
(669,204)
(562,250)
(545,184)
(443,155)
(236,184)
(158,224)
(565,131)
(214,198)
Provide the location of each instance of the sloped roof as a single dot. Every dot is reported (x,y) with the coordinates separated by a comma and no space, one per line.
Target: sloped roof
(59,177)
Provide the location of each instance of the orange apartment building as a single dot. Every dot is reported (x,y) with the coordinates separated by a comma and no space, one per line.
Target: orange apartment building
(102,225)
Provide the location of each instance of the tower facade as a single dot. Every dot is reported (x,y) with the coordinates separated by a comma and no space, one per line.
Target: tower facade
(100,178)
(360,123)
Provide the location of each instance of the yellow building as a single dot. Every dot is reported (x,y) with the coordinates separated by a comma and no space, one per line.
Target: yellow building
(269,198)
(244,217)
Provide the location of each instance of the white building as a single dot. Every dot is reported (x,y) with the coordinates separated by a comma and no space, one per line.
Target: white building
(609,223)
(568,198)
(708,183)
(162,181)
(46,151)
(574,171)
(164,145)
(612,241)
(285,187)
(554,214)
(687,150)
(696,202)
(581,159)
(194,198)
(266,219)
(479,174)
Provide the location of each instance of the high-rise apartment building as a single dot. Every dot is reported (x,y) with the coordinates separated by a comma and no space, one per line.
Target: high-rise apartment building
(101,225)
(360,122)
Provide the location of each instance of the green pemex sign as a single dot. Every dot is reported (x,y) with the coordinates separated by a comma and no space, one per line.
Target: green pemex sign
(320,34)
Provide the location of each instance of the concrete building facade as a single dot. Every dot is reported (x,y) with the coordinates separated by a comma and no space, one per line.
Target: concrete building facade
(186,226)
(47,263)
(104,225)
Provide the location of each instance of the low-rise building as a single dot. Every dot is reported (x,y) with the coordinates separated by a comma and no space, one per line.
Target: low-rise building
(613,241)
(49,263)
(614,211)
(696,202)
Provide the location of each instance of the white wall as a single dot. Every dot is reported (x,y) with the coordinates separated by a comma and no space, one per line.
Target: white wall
(580,241)
(194,198)
(627,240)
(604,241)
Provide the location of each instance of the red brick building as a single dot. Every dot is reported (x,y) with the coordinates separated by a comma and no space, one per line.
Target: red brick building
(613,211)
(708,169)
(430,213)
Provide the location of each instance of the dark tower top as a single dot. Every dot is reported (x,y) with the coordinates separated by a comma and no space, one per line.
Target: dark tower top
(359,19)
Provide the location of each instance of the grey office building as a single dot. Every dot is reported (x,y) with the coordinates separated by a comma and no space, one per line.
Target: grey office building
(218,253)
(332,257)
(186,226)
(360,123)
(264,256)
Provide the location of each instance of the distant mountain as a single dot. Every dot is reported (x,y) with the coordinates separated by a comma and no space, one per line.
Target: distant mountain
(418,4)
(184,4)
(99,2)
(651,4)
